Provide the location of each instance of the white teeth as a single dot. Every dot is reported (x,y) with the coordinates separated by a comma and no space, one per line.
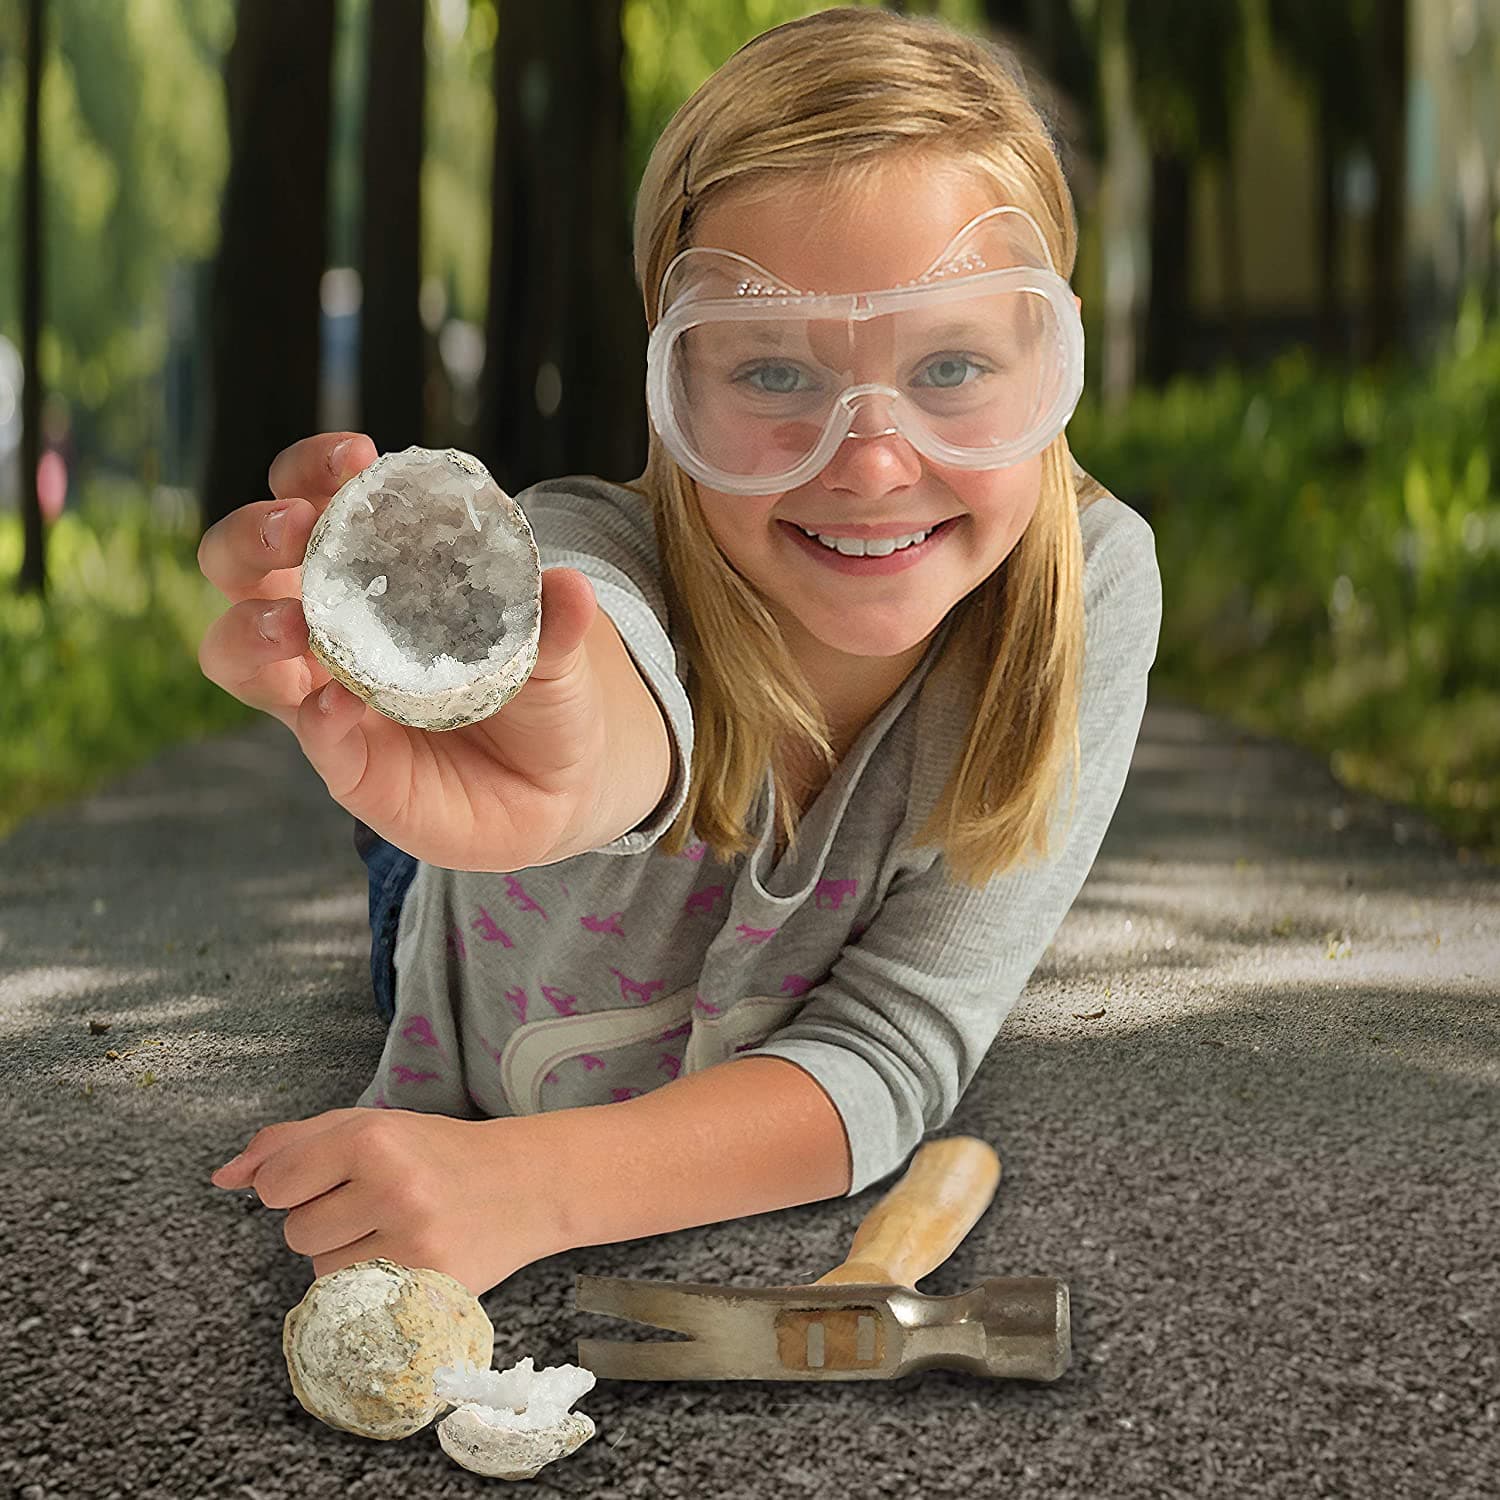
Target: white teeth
(853,547)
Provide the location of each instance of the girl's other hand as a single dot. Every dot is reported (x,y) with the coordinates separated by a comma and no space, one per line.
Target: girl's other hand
(498,795)
(474,1199)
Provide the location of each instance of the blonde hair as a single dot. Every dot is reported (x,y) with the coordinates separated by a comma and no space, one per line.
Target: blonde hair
(838,94)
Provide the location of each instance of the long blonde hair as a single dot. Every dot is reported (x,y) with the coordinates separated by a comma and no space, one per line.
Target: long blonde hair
(835,95)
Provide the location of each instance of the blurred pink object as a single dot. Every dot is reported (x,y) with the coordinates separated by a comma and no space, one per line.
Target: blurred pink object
(51,484)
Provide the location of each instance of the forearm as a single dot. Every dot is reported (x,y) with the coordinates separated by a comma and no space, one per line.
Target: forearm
(745,1137)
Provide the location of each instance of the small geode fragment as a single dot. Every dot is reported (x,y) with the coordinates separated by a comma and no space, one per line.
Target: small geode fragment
(362,1345)
(422,589)
(510,1424)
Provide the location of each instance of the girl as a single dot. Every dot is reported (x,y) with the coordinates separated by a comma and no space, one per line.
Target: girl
(832,709)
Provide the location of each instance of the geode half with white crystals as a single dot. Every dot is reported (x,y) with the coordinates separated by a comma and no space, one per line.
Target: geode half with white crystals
(422,589)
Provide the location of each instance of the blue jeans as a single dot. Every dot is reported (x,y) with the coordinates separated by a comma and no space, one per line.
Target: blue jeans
(390,871)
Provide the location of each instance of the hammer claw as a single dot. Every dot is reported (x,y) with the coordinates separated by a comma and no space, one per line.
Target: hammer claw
(684,1307)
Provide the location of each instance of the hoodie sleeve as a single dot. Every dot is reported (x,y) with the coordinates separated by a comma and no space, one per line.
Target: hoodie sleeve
(897,1031)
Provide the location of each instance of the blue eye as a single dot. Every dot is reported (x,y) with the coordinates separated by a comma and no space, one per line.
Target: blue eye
(951,365)
(777,386)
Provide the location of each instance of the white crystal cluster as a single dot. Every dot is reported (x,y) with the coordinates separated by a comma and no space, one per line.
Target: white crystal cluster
(521,1398)
(422,589)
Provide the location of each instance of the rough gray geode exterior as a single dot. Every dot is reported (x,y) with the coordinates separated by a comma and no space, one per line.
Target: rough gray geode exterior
(448,708)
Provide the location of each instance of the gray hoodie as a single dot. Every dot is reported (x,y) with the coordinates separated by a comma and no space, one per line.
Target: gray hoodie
(855,955)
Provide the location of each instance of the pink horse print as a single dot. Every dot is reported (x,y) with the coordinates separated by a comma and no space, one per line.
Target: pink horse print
(702,903)
(563,1004)
(756,935)
(610,924)
(419,1031)
(796,984)
(518,1001)
(400,1074)
(641,990)
(490,930)
(520,898)
(829,894)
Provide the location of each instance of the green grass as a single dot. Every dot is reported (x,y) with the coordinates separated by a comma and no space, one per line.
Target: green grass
(104,674)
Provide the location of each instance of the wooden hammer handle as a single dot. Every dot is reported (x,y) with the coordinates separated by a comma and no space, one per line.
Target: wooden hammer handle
(922,1220)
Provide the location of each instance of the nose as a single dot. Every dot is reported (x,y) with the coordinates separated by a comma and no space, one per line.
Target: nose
(873,458)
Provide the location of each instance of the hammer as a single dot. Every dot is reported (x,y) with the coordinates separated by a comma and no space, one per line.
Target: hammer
(863,1320)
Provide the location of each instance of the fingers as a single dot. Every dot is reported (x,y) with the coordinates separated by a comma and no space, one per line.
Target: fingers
(244,554)
(364,758)
(257,652)
(568,609)
(315,468)
(256,552)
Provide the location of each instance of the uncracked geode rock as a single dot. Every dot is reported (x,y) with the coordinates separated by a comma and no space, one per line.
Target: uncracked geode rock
(422,589)
(361,1346)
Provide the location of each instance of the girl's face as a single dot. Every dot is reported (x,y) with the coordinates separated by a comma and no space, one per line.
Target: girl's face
(873,485)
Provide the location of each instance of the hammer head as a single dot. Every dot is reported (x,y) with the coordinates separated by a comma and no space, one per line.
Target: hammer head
(1008,1327)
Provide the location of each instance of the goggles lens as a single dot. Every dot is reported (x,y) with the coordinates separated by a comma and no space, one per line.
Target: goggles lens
(753,386)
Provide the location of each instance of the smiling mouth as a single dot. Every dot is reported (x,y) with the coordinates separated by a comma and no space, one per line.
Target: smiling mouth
(870,546)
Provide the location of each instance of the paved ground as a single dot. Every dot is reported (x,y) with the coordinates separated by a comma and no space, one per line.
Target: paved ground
(1268,1172)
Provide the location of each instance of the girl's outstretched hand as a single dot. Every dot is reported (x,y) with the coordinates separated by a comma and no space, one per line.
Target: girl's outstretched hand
(476,1199)
(503,794)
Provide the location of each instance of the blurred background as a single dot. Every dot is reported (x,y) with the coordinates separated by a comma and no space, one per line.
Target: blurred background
(227,226)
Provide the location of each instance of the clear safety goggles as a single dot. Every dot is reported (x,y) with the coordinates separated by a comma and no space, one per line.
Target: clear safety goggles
(754,385)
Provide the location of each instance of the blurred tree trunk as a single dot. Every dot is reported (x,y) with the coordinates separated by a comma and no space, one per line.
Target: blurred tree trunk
(1388,148)
(1326,46)
(1188,65)
(391,373)
(32,578)
(264,321)
(1167,309)
(563,386)
(1067,52)
(1332,334)
(1232,259)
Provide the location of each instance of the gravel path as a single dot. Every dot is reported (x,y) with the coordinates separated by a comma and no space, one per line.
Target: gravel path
(1247,1110)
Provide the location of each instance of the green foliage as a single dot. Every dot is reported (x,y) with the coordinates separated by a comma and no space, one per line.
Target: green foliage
(458,154)
(671,46)
(104,674)
(134,151)
(1330,557)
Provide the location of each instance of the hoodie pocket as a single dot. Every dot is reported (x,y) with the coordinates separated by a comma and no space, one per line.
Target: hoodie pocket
(566,1061)
(568,1056)
(719,1035)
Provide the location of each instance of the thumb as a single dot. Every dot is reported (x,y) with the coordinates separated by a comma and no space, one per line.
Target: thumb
(568,609)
